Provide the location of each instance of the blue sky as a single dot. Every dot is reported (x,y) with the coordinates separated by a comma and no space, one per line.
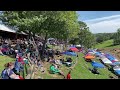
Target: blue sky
(101,21)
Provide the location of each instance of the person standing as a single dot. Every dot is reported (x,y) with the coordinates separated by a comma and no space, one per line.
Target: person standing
(69,75)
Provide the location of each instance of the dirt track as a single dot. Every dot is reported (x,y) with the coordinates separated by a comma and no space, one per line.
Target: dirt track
(114,52)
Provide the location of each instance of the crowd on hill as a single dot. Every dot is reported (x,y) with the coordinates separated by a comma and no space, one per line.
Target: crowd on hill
(24,51)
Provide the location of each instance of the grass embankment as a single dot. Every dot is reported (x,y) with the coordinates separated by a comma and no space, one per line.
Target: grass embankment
(80,71)
(107,45)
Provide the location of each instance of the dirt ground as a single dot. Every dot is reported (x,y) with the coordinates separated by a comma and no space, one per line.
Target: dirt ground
(115,52)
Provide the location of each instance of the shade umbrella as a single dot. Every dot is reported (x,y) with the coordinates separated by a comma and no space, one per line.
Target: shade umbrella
(74,49)
(89,57)
(97,65)
(70,53)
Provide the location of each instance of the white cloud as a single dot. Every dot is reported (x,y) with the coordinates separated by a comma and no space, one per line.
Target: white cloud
(104,24)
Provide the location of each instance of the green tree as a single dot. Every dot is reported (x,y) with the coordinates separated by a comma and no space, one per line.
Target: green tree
(117,37)
(86,38)
(58,24)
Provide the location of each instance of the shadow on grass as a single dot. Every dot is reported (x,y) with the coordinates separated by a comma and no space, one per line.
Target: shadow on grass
(111,45)
(12,56)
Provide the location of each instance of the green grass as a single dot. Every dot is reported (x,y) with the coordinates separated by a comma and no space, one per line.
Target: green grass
(107,44)
(4,60)
(80,71)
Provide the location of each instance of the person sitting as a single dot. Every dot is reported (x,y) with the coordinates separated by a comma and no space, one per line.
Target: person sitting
(40,66)
(8,72)
(52,60)
(95,71)
(68,62)
(111,77)
(54,70)
(62,61)
(1,52)
(57,52)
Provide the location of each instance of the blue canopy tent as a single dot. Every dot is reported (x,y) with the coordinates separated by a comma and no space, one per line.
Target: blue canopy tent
(110,57)
(90,50)
(98,54)
(72,47)
(117,72)
(97,65)
(115,63)
(70,53)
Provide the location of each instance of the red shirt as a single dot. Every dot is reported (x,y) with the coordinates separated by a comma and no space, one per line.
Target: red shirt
(21,77)
(68,76)
(20,59)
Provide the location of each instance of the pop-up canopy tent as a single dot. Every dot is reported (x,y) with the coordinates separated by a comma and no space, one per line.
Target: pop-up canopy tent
(97,65)
(98,54)
(111,58)
(115,63)
(78,45)
(117,70)
(92,53)
(106,61)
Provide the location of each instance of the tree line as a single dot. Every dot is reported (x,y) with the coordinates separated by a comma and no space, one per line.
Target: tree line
(101,37)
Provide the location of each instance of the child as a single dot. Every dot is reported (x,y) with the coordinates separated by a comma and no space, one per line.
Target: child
(68,75)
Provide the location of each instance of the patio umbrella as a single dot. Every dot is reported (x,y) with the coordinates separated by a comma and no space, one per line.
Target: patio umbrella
(74,49)
(97,65)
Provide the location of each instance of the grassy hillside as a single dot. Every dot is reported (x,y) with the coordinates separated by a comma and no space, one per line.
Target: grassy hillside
(80,71)
(107,44)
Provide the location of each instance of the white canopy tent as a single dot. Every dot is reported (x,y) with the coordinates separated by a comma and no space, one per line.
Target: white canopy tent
(78,45)
(105,60)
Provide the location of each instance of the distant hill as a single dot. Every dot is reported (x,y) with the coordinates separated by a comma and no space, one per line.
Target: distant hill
(107,44)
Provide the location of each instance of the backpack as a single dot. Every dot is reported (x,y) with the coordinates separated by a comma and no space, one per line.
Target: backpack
(4,74)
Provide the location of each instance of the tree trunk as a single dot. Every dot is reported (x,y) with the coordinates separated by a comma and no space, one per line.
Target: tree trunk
(36,47)
(43,47)
(29,35)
